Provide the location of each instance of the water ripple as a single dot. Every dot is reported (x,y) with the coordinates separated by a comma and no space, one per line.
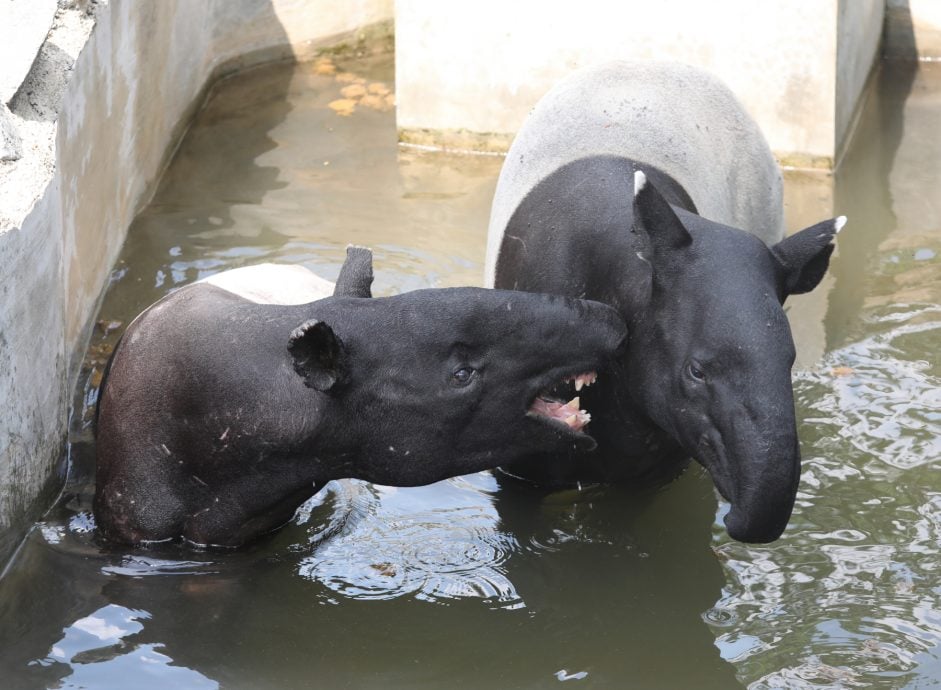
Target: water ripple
(850,593)
(391,547)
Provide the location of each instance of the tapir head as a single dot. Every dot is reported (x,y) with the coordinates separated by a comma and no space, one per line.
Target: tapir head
(711,352)
(436,383)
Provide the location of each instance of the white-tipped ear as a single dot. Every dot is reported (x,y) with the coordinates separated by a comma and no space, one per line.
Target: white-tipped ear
(653,216)
(640,180)
(805,256)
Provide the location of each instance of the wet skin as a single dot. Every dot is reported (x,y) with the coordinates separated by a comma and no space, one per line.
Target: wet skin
(220,415)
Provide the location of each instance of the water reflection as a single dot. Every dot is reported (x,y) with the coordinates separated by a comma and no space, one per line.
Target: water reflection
(101,653)
(850,596)
(433,543)
(480,582)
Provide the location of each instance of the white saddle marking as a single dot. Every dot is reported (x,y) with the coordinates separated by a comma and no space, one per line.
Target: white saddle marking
(677,118)
(273,284)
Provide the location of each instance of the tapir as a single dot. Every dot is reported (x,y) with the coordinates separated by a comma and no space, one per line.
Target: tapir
(646,186)
(231,401)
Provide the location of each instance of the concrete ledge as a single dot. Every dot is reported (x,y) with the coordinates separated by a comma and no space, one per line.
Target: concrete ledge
(133,88)
(457,140)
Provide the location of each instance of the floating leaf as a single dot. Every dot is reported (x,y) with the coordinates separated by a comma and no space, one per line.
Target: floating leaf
(353,91)
(324,66)
(371,100)
(342,106)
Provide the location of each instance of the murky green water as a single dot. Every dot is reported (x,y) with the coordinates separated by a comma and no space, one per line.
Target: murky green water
(468,583)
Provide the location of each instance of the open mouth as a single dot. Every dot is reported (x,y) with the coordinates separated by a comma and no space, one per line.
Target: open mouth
(568,413)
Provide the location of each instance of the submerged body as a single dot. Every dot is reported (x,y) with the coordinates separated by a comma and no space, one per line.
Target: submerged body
(627,186)
(220,414)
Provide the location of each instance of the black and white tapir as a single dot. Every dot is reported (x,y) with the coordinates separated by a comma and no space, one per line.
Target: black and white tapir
(231,401)
(626,185)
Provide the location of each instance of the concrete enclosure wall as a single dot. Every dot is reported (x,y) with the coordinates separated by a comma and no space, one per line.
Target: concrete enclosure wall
(798,66)
(133,88)
(913,29)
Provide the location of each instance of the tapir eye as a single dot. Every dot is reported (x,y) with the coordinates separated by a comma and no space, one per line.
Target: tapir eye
(695,372)
(463,376)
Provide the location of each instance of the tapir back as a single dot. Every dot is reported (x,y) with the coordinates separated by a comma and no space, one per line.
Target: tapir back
(676,118)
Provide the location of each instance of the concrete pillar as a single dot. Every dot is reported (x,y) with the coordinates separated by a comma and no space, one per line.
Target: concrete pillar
(467,79)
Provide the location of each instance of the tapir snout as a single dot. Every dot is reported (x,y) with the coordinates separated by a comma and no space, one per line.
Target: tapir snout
(755,463)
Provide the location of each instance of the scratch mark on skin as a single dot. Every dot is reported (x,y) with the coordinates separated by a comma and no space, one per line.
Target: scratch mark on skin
(165,450)
(518,239)
(224,434)
(200,481)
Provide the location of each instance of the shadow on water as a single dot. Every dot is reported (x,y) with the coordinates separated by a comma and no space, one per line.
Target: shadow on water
(863,192)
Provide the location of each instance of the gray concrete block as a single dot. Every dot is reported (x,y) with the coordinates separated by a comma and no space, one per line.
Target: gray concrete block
(23,28)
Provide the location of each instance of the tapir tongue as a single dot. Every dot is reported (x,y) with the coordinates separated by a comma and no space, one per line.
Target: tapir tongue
(567,413)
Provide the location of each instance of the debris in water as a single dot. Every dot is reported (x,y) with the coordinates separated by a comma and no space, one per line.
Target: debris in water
(108,325)
(324,66)
(342,106)
(353,91)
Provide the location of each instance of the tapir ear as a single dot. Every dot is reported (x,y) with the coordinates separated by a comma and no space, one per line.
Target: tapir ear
(318,355)
(654,215)
(805,255)
(355,279)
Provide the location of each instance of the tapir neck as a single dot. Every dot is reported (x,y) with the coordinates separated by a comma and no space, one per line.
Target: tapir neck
(337,445)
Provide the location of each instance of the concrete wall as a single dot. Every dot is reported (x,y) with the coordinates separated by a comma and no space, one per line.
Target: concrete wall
(797,65)
(133,88)
(913,29)
(859,33)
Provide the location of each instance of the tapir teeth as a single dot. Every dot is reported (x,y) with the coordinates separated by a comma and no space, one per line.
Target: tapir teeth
(571,420)
(574,403)
(583,380)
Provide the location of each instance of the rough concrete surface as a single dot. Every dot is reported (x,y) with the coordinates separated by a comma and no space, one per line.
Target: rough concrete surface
(11,147)
(23,28)
(35,99)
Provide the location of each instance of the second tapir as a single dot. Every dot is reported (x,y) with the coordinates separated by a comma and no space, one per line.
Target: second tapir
(231,401)
(627,185)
